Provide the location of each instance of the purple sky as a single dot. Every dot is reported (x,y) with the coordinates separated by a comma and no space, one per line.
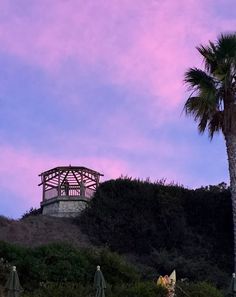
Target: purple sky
(99,84)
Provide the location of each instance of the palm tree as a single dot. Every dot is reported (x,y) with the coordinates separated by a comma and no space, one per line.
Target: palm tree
(212,101)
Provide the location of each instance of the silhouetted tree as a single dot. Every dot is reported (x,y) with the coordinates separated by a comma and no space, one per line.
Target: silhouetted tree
(212,102)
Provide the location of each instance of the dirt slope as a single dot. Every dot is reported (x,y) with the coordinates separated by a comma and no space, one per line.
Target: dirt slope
(38,230)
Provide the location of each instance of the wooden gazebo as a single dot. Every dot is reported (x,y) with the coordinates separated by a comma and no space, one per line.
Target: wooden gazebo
(66,189)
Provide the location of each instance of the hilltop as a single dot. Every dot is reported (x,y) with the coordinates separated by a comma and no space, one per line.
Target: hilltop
(165,227)
(154,226)
(39,230)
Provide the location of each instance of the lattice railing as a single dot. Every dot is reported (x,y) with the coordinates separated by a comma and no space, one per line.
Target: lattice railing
(73,191)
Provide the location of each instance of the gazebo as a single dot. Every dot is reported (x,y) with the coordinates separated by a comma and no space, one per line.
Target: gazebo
(66,190)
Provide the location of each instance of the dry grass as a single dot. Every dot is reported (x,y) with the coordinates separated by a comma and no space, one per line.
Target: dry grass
(4,221)
(38,230)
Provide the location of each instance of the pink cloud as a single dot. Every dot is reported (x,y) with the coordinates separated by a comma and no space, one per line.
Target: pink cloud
(20,168)
(144,45)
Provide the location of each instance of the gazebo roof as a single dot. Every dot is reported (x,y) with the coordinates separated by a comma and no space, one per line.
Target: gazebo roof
(81,181)
(73,168)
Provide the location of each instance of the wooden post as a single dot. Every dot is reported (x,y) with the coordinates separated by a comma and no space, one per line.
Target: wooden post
(59,184)
(97,180)
(44,188)
(81,177)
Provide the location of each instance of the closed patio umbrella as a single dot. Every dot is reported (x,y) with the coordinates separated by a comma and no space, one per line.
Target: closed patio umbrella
(13,286)
(99,283)
(232,287)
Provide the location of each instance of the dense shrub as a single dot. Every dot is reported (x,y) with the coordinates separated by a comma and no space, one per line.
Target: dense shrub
(32,212)
(64,271)
(135,216)
(192,227)
(201,289)
(61,290)
(141,289)
(62,263)
(4,221)
(4,273)
(194,268)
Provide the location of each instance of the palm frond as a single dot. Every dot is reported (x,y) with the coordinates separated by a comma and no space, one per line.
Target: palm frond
(203,121)
(198,107)
(197,79)
(226,46)
(208,54)
(203,86)
(216,123)
(205,115)
(214,89)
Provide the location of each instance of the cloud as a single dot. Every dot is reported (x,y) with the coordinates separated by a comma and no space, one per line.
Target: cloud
(164,158)
(20,168)
(139,47)
(142,45)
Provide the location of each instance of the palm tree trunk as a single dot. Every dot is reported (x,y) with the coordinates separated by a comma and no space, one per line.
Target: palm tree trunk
(230,139)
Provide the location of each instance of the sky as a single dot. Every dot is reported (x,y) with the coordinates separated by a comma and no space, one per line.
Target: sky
(99,84)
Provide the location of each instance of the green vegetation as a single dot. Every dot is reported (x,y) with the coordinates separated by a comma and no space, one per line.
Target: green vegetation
(32,212)
(63,263)
(62,270)
(166,227)
(156,227)
(201,289)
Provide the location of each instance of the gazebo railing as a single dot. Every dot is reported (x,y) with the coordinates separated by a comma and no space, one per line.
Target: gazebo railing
(72,191)
(50,193)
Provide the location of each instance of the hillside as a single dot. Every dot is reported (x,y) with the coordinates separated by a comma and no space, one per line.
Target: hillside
(165,227)
(39,230)
(155,227)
